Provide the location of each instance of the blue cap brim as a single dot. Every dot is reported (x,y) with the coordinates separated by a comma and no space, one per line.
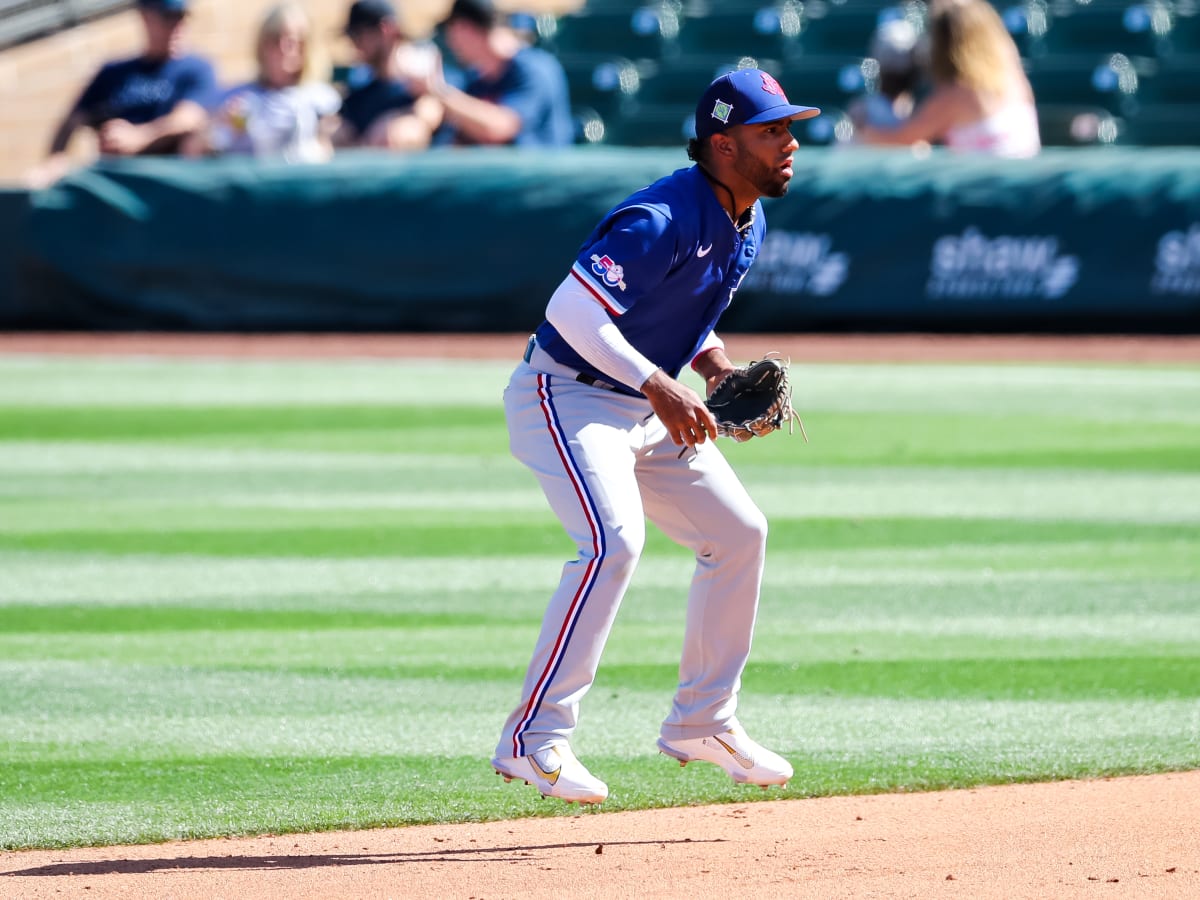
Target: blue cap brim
(783,111)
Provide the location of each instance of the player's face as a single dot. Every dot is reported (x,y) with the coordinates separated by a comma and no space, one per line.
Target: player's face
(764,156)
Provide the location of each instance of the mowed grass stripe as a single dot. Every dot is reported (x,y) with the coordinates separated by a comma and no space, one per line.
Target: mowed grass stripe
(1110,393)
(153,477)
(281,714)
(52,578)
(179,383)
(422,642)
(1033,608)
(402,536)
(977,439)
(846,745)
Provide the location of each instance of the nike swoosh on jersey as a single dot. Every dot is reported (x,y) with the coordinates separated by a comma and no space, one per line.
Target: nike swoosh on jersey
(703,251)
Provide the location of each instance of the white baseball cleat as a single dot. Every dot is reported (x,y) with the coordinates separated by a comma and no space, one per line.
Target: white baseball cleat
(555,772)
(746,761)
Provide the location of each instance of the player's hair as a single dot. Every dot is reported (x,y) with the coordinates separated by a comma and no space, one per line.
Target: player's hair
(699,150)
(969,45)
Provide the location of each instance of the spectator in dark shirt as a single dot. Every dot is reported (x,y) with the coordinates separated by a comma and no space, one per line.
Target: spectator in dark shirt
(512,93)
(145,105)
(383,109)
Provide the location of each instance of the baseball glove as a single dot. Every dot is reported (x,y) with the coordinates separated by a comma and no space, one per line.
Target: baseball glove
(754,400)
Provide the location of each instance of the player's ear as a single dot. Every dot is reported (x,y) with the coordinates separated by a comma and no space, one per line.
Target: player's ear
(723,145)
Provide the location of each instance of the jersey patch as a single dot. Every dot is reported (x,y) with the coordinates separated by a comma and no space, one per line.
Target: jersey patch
(610,272)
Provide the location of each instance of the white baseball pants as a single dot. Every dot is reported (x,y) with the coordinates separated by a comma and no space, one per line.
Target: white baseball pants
(606,464)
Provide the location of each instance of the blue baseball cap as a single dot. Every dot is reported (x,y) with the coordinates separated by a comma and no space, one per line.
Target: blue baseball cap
(745,97)
(166,7)
(368,14)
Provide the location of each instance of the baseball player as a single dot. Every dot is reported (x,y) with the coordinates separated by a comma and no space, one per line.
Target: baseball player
(596,412)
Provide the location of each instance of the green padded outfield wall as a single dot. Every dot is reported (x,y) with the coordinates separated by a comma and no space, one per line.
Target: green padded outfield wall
(466,240)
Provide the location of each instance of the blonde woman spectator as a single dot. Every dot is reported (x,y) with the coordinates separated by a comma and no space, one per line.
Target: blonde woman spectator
(280,114)
(981,101)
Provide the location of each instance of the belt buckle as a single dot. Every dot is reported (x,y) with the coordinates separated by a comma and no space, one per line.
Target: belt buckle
(529,347)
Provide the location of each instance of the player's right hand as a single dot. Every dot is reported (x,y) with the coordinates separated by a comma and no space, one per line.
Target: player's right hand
(680,409)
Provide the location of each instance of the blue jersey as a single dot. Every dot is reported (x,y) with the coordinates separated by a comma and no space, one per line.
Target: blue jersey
(141,90)
(534,86)
(367,102)
(665,264)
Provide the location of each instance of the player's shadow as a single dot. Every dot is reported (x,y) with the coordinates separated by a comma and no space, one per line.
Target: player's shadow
(283,861)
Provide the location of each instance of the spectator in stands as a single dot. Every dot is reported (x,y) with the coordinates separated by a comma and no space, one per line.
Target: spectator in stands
(144,105)
(894,48)
(279,114)
(386,110)
(981,101)
(512,93)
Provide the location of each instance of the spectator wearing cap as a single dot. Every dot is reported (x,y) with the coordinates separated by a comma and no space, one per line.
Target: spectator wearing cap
(894,47)
(512,93)
(144,105)
(386,110)
(980,101)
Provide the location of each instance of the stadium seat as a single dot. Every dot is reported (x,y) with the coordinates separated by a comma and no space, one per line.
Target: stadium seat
(1184,36)
(1135,29)
(1073,125)
(832,127)
(1026,23)
(654,125)
(1177,80)
(590,126)
(648,32)
(824,81)
(768,32)
(610,6)
(1164,125)
(826,28)
(601,82)
(682,81)
(1110,82)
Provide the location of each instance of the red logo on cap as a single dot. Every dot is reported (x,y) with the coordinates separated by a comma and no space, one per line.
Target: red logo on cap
(771,86)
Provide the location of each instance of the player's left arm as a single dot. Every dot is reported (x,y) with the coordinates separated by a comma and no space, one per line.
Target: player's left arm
(711,363)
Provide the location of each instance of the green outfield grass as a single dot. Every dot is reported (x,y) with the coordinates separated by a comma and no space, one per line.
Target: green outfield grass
(242,597)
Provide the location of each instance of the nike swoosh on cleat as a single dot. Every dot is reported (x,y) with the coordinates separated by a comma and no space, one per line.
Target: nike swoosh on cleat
(744,761)
(551,777)
(703,251)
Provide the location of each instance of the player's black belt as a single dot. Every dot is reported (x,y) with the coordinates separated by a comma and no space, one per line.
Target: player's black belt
(592,381)
(581,377)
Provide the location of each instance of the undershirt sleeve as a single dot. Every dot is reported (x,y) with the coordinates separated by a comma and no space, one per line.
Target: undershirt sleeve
(586,326)
(711,342)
